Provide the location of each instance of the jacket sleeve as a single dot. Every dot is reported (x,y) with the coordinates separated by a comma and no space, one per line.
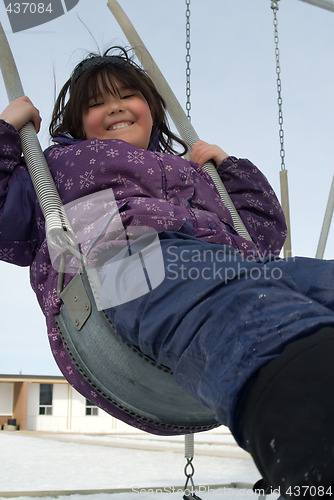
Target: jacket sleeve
(18,225)
(256,203)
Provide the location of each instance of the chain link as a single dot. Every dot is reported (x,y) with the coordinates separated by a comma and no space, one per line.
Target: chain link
(189,473)
(189,487)
(274,6)
(188,58)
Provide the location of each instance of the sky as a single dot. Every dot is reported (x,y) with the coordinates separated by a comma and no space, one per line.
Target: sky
(233,104)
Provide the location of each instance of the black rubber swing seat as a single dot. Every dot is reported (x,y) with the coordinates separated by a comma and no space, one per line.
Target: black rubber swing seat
(143,394)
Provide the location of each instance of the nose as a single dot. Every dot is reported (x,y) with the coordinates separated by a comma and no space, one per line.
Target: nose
(115,105)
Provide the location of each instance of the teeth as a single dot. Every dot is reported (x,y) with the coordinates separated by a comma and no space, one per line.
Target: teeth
(120,125)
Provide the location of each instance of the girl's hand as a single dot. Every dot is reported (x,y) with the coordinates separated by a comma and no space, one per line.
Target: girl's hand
(203,152)
(20,112)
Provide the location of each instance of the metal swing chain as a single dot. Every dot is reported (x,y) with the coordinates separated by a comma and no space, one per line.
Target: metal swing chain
(188,59)
(283,173)
(274,6)
(189,487)
(189,471)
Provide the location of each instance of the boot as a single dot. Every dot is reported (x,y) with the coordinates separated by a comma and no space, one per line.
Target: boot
(288,419)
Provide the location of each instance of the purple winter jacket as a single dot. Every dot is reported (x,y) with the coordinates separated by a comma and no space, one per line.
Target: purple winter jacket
(159,190)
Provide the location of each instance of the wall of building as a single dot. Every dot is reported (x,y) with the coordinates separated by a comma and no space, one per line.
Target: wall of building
(69,414)
(21,390)
(6,402)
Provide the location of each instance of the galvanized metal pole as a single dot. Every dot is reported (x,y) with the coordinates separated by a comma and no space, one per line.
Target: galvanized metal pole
(328,5)
(324,4)
(326,224)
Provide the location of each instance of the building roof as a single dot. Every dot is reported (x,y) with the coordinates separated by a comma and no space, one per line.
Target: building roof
(41,379)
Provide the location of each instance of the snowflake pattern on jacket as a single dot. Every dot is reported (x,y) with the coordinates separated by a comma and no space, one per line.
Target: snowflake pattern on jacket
(158,190)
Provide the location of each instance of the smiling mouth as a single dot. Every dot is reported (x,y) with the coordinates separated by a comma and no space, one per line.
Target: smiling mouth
(119,125)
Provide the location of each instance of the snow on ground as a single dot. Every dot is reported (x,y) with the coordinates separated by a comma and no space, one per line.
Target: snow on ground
(152,469)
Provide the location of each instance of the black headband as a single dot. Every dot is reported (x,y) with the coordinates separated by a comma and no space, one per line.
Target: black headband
(95,61)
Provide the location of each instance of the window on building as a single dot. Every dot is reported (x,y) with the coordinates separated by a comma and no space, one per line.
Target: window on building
(91,409)
(45,399)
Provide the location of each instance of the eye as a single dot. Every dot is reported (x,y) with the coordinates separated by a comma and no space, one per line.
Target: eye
(95,104)
(128,93)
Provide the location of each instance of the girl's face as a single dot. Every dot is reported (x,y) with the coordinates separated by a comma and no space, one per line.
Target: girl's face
(126,116)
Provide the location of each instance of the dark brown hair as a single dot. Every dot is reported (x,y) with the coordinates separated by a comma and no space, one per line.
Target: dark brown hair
(98,71)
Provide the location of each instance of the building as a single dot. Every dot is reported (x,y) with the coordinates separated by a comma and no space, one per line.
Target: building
(50,404)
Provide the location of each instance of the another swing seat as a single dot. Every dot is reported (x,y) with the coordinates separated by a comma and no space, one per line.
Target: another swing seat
(144,394)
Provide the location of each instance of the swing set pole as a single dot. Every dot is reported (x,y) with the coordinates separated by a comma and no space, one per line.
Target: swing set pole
(327,5)
(326,224)
(324,4)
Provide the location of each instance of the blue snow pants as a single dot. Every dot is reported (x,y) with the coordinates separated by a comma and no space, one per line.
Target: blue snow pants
(217,318)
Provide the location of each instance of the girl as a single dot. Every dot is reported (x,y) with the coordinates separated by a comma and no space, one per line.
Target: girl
(246,333)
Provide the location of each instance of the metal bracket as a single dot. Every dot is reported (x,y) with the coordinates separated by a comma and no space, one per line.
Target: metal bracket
(76,301)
